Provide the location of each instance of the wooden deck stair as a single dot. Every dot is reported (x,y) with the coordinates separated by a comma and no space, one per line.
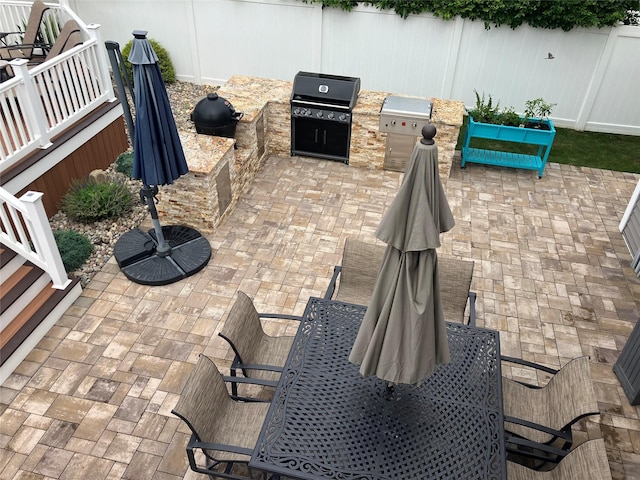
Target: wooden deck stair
(29,307)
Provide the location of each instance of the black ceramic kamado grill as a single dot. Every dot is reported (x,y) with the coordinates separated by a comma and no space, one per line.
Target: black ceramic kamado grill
(214,115)
(321,107)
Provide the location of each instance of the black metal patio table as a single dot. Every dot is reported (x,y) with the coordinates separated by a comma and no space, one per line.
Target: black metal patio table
(326,421)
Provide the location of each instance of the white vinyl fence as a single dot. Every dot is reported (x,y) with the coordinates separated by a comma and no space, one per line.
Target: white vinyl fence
(592,74)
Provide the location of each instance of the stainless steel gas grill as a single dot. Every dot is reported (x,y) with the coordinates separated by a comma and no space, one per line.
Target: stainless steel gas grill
(402,118)
(321,107)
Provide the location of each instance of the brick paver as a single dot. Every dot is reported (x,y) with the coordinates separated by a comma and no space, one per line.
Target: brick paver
(551,272)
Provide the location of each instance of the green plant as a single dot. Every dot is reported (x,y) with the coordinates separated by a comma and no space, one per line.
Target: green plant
(90,200)
(509,117)
(74,247)
(164,61)
(537,110)
(124,163)
(485,111)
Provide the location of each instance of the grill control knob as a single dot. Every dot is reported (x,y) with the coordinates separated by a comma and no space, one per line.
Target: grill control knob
(319,114)
(342,117)
(296,111)
(393,122)
(330,116)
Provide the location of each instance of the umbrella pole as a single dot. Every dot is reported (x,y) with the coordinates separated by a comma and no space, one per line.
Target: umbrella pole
(148,193)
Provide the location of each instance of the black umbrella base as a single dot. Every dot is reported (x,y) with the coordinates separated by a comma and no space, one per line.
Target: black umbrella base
(136,254)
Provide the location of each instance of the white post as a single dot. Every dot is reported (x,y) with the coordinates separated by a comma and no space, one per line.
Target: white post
(42,238)
(107,84)
(32,107)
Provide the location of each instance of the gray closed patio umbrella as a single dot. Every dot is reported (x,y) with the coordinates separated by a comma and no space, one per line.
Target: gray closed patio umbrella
(164,254)
(403,335)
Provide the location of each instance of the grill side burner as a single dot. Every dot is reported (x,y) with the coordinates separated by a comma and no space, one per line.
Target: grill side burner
(402,118)
(321,108)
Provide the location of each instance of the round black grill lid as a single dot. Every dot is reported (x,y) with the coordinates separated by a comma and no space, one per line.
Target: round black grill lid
(214,115)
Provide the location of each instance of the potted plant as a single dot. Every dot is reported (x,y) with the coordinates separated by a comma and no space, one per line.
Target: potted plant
(487,121)
(536,113)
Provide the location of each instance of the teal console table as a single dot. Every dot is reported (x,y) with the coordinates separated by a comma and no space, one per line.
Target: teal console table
(534,136)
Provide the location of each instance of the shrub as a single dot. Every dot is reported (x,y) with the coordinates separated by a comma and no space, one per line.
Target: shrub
(74,248)
(90,200)
(124,163)
(166,66)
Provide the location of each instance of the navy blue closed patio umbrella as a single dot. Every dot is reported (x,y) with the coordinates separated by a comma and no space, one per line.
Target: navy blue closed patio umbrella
(165,254)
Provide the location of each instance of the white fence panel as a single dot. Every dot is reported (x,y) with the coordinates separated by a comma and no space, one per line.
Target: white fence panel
(256,38)
(616,99)
(388,53)
(592,75)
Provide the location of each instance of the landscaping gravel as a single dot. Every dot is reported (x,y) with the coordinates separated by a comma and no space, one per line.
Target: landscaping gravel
(104,234)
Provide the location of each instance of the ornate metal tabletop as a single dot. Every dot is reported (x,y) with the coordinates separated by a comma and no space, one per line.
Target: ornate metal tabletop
(326,421)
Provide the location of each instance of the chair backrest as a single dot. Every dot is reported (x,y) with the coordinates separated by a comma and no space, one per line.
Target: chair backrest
(455,282)
(570,392)
(33,22)
(69,37)
(565,399)
(243,329)
(204,400)
(587,461)
(360,265)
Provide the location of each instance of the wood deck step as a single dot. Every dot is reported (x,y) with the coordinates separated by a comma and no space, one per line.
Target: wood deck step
(19,329)
(6,255)
(18,283)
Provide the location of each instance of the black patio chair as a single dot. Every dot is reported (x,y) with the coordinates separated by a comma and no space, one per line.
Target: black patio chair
(224,428)
(538,416)
(257,355)
(30,39)
(354,280)
(69,37)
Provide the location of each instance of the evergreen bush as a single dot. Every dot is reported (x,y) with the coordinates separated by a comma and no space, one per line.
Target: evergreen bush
(90,200)
(124,163)
(164,61)
(74,247)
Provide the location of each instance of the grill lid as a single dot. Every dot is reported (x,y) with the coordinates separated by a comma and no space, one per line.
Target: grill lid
(214,115)
(326,90)
(407,107)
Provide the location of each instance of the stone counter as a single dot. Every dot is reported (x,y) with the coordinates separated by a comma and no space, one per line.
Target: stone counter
(221,168)
(257,96)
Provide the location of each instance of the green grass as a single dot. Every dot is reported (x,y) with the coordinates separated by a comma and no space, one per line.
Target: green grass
(587,149)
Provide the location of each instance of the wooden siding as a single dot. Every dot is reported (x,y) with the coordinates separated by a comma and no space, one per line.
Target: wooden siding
(99,153)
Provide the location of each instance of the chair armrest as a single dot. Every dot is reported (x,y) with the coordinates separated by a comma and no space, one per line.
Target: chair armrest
(195,443)
(539,451)
(566,436)
(280,315)
(526,363)
(332,284)
(256,366)
(234,381)
(45,47)
(472,309)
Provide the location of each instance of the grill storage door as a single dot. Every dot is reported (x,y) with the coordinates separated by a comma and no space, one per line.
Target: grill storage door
(321,138)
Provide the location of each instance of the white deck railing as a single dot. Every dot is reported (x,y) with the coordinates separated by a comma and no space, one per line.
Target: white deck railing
(26,230)
(40,102)
(37,104)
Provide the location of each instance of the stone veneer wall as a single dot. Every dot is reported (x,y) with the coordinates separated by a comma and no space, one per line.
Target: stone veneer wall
(264,130)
